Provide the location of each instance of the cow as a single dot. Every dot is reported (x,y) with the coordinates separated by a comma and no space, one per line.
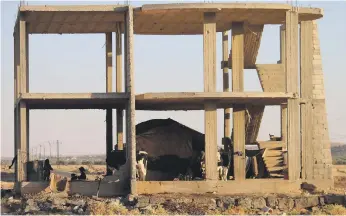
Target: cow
(141,165)
(117,158)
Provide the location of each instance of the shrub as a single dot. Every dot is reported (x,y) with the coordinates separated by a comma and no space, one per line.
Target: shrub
(60,163)
(99,162)
(86,162)
(71,163)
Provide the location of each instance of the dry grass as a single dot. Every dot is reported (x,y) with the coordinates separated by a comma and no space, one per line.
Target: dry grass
(236,211)
(334,210)
(102,208)
(339,170)
(155,210)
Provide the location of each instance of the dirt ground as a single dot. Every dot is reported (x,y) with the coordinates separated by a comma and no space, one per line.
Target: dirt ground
(7,175)
(60,203)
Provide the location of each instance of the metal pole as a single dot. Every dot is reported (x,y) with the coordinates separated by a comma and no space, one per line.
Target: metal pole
(44,151)
(40,156)
(57,146)
(50,150)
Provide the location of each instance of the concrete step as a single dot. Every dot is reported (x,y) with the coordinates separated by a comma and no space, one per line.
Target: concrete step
(274,164)
(275,169)
(273,153)
(275,175)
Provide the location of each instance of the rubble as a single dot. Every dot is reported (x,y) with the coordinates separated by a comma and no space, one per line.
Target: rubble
(167,204)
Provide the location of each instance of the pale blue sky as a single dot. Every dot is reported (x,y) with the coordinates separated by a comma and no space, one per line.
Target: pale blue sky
(76,63)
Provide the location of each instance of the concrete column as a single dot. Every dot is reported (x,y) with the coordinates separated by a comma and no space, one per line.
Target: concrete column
(322,159)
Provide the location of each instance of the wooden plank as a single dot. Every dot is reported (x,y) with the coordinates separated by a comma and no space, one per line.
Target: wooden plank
(238,111)
(249,186)
(306,91)
(293,141)
(119,86)
(210,114)
(227,111)
(130,112)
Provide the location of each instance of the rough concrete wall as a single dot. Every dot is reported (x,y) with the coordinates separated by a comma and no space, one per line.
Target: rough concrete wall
(322,153)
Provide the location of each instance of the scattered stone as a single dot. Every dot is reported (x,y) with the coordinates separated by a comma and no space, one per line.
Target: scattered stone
(228,201)
(267,210)
(5,210)
(77,195)
(75,209)
(183,200)
(46,206)
(31,206)
(304,211)
(258,203)
(58,202)
(306,202)
(80,203)
(142,202)
(212,204)
(334,199)
(155,200)
(130,200)
(321,199)
(308,187)
(219,203)
(30,202)
(80,211)
(245,202)
(201,201)
(285,203)
(272,201)
(6,193)
(147,210)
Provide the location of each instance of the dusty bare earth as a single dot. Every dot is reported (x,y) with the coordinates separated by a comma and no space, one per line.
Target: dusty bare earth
(61,203)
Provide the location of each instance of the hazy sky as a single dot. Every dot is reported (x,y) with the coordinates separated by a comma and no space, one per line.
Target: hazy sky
(76,63)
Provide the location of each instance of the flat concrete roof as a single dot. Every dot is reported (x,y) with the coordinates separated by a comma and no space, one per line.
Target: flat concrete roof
(197,100)
(151,101)
(156,19)
(75,100)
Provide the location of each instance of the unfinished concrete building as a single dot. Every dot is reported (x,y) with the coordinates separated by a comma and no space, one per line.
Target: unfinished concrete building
(298,89)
